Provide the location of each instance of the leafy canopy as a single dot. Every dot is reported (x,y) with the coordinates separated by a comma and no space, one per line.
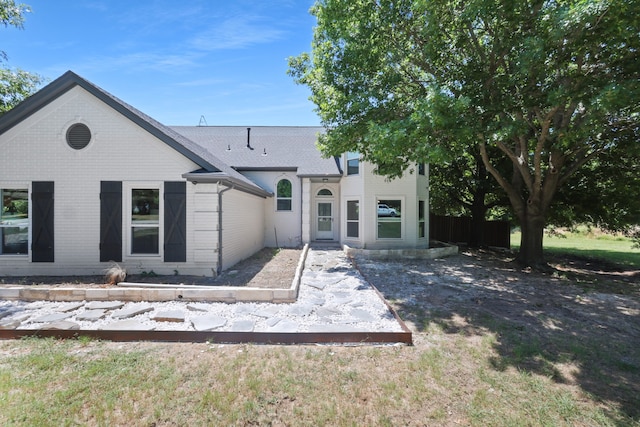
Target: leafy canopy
(15,84)
(547,86)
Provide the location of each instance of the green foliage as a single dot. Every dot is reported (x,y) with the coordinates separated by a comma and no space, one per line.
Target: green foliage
(541,87)
(15,84)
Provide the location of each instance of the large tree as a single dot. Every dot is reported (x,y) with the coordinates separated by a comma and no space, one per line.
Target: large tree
(542,84)
(462,186)
(15,84)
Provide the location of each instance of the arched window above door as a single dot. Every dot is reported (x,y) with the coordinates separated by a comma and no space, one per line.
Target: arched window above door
(325,193)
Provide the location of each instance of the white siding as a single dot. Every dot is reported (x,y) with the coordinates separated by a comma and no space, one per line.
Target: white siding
(204,231)
(242,226)
(306,210)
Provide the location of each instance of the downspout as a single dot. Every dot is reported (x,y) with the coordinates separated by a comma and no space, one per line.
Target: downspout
(219,269)
(302,210)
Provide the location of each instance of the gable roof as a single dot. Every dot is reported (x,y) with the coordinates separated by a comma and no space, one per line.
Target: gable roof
(265,148)
(194,152)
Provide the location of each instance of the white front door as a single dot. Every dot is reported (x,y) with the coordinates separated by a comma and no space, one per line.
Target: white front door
(324,224)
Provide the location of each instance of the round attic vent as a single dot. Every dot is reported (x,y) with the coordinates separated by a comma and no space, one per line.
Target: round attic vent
(78,136)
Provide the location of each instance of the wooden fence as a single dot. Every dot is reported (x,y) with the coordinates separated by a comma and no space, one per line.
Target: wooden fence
(458,230)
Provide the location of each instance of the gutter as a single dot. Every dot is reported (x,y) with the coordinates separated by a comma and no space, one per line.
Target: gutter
(223,178)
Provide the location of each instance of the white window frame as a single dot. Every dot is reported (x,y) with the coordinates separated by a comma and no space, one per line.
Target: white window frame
(278,197)
(423,203)
(351,155)
(351,221)
(402,216)
(18,186)
(128,188)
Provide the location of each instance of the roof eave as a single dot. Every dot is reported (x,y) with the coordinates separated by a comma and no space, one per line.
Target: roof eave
(216,177)
(68,81)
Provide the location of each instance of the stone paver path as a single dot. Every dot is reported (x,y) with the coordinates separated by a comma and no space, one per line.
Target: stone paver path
(333,297)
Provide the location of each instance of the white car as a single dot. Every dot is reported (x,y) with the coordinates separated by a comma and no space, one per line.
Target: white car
(385,210)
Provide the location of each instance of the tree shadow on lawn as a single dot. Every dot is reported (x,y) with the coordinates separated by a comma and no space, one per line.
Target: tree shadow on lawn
(579,327)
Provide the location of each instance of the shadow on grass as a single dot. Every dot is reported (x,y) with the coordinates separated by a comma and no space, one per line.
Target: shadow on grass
(543,323)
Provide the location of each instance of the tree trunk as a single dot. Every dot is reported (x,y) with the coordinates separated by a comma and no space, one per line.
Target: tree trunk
(531,253)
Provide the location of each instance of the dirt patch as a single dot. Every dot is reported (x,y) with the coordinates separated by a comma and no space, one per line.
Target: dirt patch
(578,323)
(269,268)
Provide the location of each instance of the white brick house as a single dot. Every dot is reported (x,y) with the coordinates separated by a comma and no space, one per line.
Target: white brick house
(86,179)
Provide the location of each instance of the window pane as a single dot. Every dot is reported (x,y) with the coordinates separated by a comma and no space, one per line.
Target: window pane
(145,206)
(14,221)
(389,208)
(324,224)
(14,240)
(325,192)
(284,204)
(389,219)
(389,228)
(352,229)
(324,209)
(353,163)
(284,188)
(353,167)
(421,218)
(14,207)
(283,195)
(353,210)
(144,240)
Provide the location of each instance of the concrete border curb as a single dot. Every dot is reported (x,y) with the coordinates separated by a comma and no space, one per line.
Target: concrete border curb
(158,292)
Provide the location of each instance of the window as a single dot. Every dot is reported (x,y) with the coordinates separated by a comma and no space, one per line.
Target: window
(145,221)
(325,193)
(421,168)
(283,195)
(389,219)
(422,232)
(14,221)
(353,163)
(353,218)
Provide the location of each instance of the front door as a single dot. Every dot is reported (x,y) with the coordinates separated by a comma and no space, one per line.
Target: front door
(324,230)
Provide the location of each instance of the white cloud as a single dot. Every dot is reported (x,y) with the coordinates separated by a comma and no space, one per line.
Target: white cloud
(236,32)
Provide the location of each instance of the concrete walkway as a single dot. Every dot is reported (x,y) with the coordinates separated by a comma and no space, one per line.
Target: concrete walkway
(333,297)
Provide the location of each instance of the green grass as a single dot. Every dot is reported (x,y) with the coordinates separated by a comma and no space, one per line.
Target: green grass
(74,382)
(590,244)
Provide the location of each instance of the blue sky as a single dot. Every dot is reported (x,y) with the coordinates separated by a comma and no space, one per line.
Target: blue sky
(176,60)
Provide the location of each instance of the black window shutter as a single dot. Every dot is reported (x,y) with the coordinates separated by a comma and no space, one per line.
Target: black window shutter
(175,221)
(42,249)
(110,221)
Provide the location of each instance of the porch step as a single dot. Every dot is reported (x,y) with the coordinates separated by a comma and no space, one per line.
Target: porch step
(325,244)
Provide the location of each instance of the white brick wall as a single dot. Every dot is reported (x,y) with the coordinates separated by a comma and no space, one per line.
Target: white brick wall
(286,225)
(36,150)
